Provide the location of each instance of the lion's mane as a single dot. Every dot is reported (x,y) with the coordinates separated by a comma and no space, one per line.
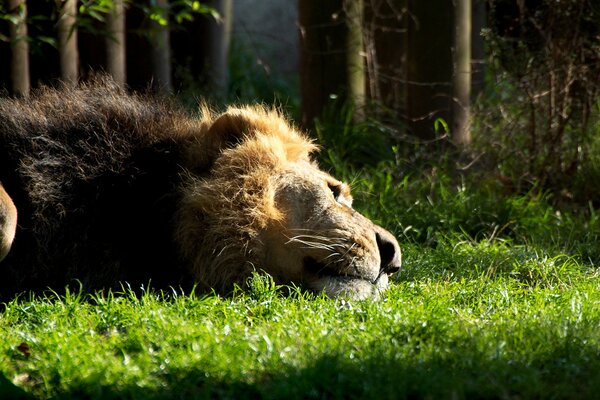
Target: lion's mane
(113,187)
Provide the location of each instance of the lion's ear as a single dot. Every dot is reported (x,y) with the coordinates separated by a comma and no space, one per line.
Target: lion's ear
(230,128)
(226,131)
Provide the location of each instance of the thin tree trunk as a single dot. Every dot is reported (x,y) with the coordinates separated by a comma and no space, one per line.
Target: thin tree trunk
(219,35)
(161,53)
(461,104)
(355,59)
(115,42)
(477,47)
(67,42)
(19,66)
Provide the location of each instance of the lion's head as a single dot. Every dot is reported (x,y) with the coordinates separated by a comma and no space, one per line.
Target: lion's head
(254,199)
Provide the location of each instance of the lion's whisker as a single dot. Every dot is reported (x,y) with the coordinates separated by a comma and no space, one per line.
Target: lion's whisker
(322,238)
(332,255)
(329,244)
(349,249)
(308,243)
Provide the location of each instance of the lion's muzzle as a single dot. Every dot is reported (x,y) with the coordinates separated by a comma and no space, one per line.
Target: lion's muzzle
(353,276)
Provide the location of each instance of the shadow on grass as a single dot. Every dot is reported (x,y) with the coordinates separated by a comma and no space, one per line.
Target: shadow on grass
(558,374)
(9,391)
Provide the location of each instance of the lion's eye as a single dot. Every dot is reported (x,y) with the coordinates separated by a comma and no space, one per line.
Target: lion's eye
(336,190)
(341,193)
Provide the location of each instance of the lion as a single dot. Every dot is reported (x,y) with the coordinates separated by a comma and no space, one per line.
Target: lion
(113,188)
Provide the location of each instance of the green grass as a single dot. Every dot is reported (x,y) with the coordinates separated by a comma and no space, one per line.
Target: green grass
(499,298)
(487,316)
(507,334)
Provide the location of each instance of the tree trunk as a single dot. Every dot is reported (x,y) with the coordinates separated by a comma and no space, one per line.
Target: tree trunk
(161,53)
(478,47)
(67,42)
(355,59)
(429,65)
(461,104)
(19,66)
(331,60)
(219,38)
(115,42)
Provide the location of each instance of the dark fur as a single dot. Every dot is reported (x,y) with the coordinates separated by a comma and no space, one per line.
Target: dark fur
(95,174)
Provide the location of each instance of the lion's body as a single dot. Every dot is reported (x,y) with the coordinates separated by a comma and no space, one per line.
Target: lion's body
(95,179)
(113,188)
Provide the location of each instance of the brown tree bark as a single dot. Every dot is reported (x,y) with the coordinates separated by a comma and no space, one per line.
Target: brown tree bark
(355,59)
(19,66)
(461,101)
(161,53)
(217,45)
(67,42)
(115,42)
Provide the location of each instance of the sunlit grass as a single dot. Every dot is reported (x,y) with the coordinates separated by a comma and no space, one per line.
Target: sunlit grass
(473,334)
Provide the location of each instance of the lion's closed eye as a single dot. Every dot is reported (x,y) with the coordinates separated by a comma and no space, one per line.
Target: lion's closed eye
(340,192)
(336,190)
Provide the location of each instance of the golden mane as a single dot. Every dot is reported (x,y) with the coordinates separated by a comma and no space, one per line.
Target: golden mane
(255,142)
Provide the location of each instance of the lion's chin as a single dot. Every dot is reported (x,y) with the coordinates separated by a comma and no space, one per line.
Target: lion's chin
(350,287)
(334,284)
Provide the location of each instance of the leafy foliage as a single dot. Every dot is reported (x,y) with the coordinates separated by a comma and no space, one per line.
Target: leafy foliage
(179,10)
(92,12)
(540,114)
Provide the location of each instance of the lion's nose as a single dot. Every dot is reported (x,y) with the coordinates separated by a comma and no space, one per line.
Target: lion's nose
(389,251)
